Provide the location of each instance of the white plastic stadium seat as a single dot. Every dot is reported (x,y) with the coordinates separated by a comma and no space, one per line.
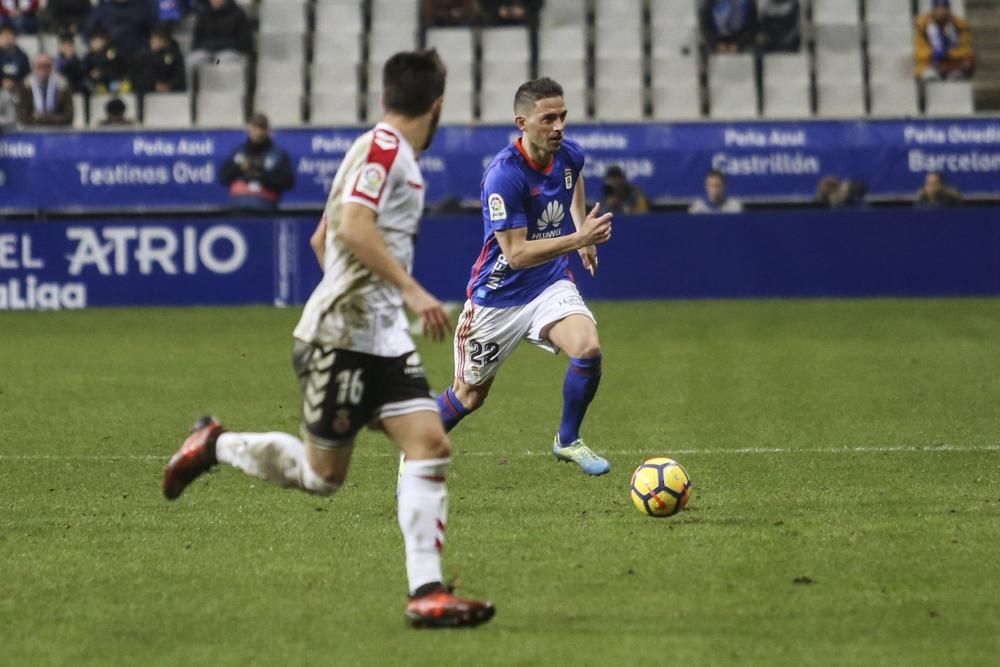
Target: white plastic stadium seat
(565,42)
(341,49)
(30,45)
(838,67)
(283,16)
(97,103)
(733,101)
(222,78)
(562,13)
(575,97)
(279,75)
(502,74)
(890,38)
(675,40)
(219,109)
(333,108)
(888,12)
(618,103)
(496,103)
(890,67)
(386,40)
(949,98)
(730,69)
(835,12)
(837,38)
(787,100)
(785,69)
(454,45)
(568,72)
(840,100)
(894,99)
(79,111)
(281,46)
(618,41)
(668,13)
(49,43)
(505,44)
(610,15)
(335,77)
(282,108)
(339,17)
(673,71)
(679,101)
(166,110)
(458,103)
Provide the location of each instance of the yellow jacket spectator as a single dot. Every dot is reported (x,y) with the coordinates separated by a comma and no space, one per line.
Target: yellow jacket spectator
(943,44)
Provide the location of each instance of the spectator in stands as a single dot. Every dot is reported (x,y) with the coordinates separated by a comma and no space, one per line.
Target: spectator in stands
(780,25)
(852,193)
(221,34)
(106,68)
(172,11)
(935,194)
(258,171)
(127,23)
(449,12)
(70,65)
(44,98)
(160,69)
(115,114)
(8,103)
(13,61)
(620,196)
(512,12)
(67,15)
(729,26)
(716,200)
(826,191)
(22,14)
(943,44)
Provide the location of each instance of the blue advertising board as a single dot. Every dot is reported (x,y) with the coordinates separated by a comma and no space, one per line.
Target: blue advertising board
(179,169)
(894,252)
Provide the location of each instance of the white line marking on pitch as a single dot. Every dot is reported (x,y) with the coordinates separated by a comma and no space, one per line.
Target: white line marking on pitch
(529,453)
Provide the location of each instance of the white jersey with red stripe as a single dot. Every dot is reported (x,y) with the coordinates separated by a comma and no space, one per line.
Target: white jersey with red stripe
(352,308)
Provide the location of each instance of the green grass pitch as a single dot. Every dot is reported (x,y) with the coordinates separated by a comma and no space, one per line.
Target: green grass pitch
(845,457)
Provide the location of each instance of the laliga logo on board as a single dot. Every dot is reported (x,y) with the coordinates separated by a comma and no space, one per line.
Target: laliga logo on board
(552,215)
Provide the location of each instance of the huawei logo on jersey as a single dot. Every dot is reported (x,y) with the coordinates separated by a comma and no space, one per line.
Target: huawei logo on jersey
(552,215)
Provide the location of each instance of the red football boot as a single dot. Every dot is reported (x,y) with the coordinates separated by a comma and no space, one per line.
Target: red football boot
(440,608)
(196,456)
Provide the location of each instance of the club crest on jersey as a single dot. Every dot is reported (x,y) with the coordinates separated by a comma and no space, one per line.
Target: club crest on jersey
(552,215)
(498,210)
(568,177)
(371,179)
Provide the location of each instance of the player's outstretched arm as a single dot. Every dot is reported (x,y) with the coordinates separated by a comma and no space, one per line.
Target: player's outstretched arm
(521,253)
(359,233)
(578,209)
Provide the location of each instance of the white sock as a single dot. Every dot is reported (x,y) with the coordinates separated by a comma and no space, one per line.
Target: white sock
(423,513)
(275,457)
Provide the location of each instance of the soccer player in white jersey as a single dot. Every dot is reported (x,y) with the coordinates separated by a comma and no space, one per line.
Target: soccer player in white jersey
(353,354)
(521,287)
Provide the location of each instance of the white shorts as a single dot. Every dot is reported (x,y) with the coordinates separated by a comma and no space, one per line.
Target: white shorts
(485,337)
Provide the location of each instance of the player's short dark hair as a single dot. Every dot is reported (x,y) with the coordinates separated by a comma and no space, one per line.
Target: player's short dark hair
(534,90)
(412,80)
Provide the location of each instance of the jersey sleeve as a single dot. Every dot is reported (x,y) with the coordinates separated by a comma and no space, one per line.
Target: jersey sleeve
(575,156)
(503,199)
(369,182)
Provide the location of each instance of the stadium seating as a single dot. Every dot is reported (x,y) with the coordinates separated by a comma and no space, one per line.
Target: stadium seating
(167,110)
(319,61)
